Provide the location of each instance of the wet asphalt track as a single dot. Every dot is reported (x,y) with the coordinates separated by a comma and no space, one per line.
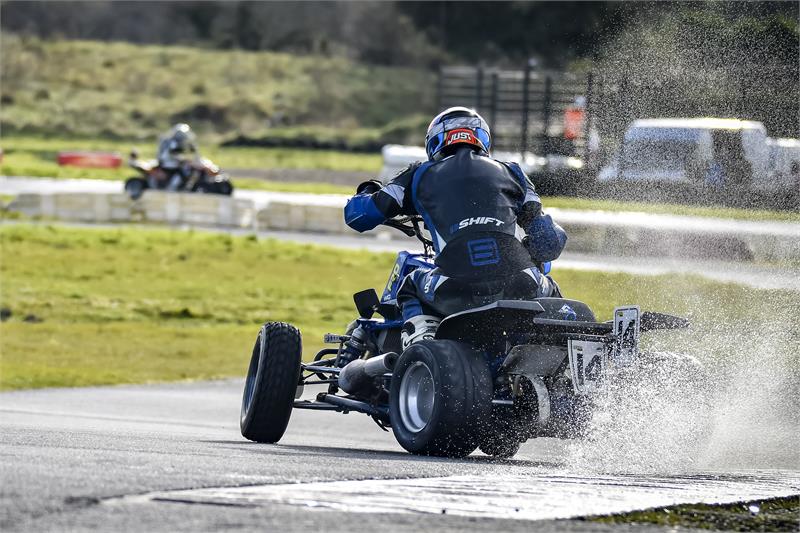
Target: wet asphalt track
(132,457)
(170,458)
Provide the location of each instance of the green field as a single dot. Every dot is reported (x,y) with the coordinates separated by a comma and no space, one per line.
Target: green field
(128,305)
(122,90)
(36,156)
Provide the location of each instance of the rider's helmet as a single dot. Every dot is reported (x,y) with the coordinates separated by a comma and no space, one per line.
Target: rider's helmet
(456,126)
(182,139)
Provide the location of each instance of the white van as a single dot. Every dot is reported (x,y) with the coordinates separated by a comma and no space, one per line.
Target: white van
(683,149)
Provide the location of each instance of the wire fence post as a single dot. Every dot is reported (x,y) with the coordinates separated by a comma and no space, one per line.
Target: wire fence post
(547,106)
(523,138)
(588,115)
(493,105)
(742,99)
(440,89)
(478,88)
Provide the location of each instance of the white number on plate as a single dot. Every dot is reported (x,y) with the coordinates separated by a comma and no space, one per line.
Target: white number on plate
(587,361)
(626,328)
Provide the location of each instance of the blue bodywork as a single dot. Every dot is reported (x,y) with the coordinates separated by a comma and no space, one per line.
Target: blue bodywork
(406,263)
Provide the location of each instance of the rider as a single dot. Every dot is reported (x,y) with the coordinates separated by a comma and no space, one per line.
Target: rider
(177,149)
(485,220)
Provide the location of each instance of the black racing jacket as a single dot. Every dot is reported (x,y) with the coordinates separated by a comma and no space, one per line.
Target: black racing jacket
(474,206)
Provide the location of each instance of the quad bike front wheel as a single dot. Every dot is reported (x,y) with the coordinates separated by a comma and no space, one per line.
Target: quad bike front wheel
(440,398)
(135,187)
(224,187)
(271,382)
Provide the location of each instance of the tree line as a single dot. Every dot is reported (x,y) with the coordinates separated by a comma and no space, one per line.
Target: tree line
(728,58)
(389,33)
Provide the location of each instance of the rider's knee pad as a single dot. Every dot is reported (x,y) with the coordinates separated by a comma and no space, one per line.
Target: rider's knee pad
(418,328)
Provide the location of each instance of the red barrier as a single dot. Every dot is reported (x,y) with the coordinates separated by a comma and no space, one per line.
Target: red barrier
(90,159)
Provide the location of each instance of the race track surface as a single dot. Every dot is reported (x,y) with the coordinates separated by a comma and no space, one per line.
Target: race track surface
(170,458)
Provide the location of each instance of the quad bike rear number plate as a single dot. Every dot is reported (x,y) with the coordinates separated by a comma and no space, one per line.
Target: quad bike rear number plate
(587,360)
(590,360)
(626,330)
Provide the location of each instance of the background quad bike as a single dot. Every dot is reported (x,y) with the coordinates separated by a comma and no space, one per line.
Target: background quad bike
(205,178)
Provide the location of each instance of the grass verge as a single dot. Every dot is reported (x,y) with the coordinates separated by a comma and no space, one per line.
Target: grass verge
(128,305)
(778,514)
(592,204)
(36,156)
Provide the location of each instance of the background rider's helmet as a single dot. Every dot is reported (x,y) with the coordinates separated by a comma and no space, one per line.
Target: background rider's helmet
(182,139)
(456,126)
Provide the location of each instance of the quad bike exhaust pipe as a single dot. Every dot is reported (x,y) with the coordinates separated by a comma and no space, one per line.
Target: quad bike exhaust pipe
(359,375)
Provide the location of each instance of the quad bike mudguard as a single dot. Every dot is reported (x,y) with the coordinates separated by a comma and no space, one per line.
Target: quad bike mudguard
(512,317)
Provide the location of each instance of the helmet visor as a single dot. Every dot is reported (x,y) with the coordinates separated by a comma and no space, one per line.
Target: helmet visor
(457,123)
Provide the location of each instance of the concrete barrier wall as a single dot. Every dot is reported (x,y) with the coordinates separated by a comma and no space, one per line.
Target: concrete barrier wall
(605,233)
(297,217)
(154,206)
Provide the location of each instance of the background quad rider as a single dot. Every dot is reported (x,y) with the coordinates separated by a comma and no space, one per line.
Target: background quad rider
(485,219)
(177,153)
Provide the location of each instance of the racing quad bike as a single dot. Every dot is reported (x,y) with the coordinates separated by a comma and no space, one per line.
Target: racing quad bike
(493,377)
(203,177)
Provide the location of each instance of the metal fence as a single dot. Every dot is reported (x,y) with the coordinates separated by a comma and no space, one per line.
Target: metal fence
(525,108)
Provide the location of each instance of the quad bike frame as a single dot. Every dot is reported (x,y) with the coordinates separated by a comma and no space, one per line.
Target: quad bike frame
(531,367)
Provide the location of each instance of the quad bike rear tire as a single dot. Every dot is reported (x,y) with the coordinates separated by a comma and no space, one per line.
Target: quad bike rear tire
(440,398)
(214,187)
(272,379)
(500,445)
(225,188)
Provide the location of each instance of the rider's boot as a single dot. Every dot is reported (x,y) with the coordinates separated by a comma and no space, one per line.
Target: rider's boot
(419,328)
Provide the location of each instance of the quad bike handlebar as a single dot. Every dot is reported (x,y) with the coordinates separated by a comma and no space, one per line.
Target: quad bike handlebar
(398,224)
(411,226)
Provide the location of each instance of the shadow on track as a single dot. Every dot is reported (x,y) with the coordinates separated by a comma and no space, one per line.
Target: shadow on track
(339,452)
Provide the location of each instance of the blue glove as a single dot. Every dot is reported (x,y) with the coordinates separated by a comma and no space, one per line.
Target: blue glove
(546,239)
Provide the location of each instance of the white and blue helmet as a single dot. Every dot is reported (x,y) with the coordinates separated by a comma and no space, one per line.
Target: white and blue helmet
(457,125)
